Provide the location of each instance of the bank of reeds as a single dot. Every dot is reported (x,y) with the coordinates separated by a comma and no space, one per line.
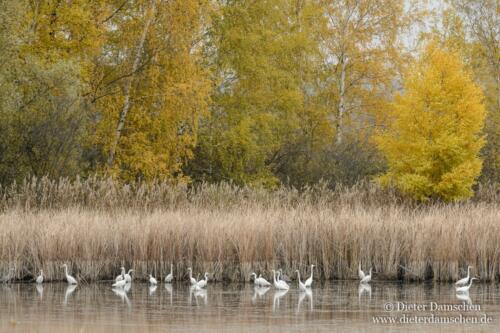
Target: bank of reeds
(97,226)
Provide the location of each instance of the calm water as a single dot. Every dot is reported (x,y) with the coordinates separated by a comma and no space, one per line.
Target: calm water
(336,306)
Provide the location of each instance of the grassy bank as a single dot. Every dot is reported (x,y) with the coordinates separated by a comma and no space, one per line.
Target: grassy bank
(230,232)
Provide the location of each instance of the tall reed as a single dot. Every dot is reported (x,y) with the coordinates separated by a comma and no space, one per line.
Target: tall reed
(97,226)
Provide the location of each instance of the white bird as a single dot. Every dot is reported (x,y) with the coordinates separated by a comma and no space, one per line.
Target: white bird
(203,283)
(121,276)
(170,276)
(367,278)
(39,279)
(465,289)
(279,284)
(69,278)
(192,280)
(119,284)
(361,274)
(128,277)
(465,280)
(260,281)
(302,286)
(309,281)
(152,280)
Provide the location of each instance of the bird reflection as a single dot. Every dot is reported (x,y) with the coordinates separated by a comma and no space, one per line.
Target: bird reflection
(152,289)
(302,295)
(259,292)
(168,288)
(39,289)
(465,298)
(201,293)
(276,298)
(69,290)
(122,294)
(364,288)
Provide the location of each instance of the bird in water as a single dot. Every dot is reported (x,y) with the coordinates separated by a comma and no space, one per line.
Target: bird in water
(128,277)
(308,283)
(465,289)
(367,278)
(260,281)
(279,284)
(69,278)
(39,278)
(192,280)
(465,280)
(152,280)
(170,276)
(203,283)
(121,276)
(302,286)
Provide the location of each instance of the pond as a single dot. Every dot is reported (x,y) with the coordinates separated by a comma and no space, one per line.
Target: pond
(340,306)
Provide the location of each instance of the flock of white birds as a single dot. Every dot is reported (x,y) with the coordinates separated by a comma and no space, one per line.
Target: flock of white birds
(280,280)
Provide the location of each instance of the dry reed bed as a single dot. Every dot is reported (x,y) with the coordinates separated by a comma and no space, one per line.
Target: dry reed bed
(103,193)
(431,242)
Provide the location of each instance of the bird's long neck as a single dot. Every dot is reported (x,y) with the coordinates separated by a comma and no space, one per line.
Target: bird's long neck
(312,271)
(66,270)
(190,274)
(298,276)
(468,273)
(171,268)
(274,276)
(470,284)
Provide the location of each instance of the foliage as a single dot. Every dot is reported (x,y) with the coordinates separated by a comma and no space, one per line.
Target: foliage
(256,93)
(433,140)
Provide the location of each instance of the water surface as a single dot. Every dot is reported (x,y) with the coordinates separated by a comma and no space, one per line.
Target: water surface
(340,306)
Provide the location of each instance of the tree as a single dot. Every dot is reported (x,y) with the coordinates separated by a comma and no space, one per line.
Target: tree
(433,139)
(262,55)
(473,29)
(42,112)
(362,55)
(150,89)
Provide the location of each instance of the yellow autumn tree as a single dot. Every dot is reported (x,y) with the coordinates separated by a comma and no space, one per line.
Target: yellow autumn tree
(433,139)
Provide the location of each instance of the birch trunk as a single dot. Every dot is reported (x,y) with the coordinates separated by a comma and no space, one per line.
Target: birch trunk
(341,106)
(128,84)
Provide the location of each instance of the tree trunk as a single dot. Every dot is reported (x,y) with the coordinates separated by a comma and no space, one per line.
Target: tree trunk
(341,107)
(128,83)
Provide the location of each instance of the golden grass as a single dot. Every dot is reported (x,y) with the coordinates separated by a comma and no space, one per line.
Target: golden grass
(230,233)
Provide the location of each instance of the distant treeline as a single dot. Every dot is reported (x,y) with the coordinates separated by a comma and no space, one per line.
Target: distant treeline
(256,93)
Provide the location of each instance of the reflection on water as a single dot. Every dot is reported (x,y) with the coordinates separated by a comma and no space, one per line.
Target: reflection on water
(336,306)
